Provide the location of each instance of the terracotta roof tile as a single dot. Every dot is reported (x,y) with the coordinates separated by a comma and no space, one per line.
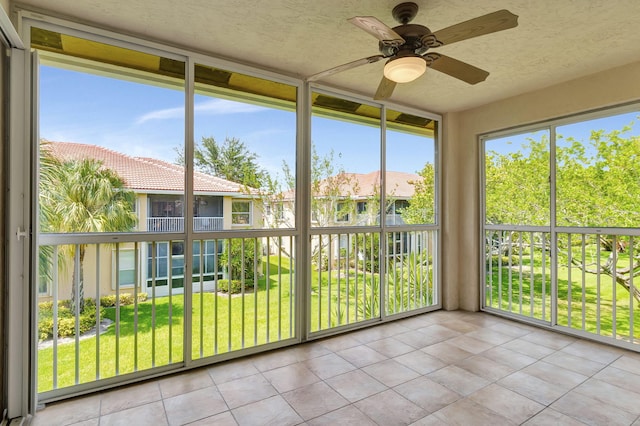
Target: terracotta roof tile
(399,184)
(141,173)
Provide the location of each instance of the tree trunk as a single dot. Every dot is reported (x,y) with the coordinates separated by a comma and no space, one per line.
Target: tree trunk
(80,282)
(622,276)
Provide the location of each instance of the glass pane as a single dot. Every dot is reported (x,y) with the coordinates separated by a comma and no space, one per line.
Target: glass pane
(517,179)
(127,264)
(245,147)
(598,172)
(410,179)
(127,259)
(127,277)
(240,206)
(110,119)
(345,163)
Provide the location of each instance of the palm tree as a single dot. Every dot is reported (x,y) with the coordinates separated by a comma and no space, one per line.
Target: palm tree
(82,196)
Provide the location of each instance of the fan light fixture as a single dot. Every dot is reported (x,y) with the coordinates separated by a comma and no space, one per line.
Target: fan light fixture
(405,69)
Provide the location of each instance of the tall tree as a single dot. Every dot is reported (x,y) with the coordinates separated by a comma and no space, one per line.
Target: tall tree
(331,195)
(231,160)
(421,207)
(597,184)
(80,197)
(517,184)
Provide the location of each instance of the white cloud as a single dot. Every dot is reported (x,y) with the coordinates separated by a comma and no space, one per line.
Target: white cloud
(161,114)
(210,107)
(221,106)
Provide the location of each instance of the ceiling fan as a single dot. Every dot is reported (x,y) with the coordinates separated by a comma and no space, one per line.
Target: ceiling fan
(407,47)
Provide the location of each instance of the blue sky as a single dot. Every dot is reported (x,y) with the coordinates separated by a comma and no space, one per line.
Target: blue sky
(580,131)
(148,121)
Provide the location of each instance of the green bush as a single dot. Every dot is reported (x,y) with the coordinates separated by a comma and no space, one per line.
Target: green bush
(108,301)
(236,286)
(241,267)
(368,250)
(125,299)
(66,318)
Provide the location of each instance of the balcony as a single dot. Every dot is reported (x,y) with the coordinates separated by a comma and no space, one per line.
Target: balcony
(176,224)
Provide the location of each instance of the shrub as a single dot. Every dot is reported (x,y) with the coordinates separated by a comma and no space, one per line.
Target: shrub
(368,251)
(108,301)
(236,286)
(125,299)
(241,267)
(66,319)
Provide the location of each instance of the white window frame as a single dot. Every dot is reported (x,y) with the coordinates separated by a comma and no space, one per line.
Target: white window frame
(249,213)
(115,272)
(344,217)
(301,211)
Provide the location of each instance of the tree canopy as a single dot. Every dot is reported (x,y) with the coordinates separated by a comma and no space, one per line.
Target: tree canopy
(81,196)
(421,207)
(597,182)
(231,160)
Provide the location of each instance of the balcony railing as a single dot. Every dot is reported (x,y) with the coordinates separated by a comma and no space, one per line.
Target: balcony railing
(176,224)
(583,280)
(142,325)
(351,282)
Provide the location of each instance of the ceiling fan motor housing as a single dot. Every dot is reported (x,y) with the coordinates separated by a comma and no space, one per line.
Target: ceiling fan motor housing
(417,41)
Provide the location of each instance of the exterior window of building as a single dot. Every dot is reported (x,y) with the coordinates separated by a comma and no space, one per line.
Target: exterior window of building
(44,286)
(210,261)
(342,212)
(279,211)
(166,208)
(241,212)
(126,272)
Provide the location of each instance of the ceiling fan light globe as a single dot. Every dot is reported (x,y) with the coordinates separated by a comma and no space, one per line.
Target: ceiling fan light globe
(405,69)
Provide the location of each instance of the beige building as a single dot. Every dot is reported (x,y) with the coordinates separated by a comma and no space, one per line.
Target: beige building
(158,186)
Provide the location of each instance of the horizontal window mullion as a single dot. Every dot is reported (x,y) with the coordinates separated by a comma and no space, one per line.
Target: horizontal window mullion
(517,228)
(104,237)
(598,230)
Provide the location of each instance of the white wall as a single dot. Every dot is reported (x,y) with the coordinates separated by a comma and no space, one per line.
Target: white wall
(461,175)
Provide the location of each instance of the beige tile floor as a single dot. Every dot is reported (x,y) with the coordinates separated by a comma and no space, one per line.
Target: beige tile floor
(441,368)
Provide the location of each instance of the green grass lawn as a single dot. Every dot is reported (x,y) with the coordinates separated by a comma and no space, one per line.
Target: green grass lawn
(593,307)
(220,323)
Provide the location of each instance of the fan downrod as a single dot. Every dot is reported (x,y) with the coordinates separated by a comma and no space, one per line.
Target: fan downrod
(405,12)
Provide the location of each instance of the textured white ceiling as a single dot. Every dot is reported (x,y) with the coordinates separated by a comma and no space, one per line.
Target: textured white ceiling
(555,41)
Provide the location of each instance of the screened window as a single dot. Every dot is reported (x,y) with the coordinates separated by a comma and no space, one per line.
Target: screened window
(345,161)
(411,171)
(104,128)
(598,172)
(517,184)
(245,137)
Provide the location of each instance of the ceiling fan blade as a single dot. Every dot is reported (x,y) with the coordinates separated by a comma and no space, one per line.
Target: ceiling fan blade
(378,29)
(457,69)
(487,24)
(385,89)
(344,67)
